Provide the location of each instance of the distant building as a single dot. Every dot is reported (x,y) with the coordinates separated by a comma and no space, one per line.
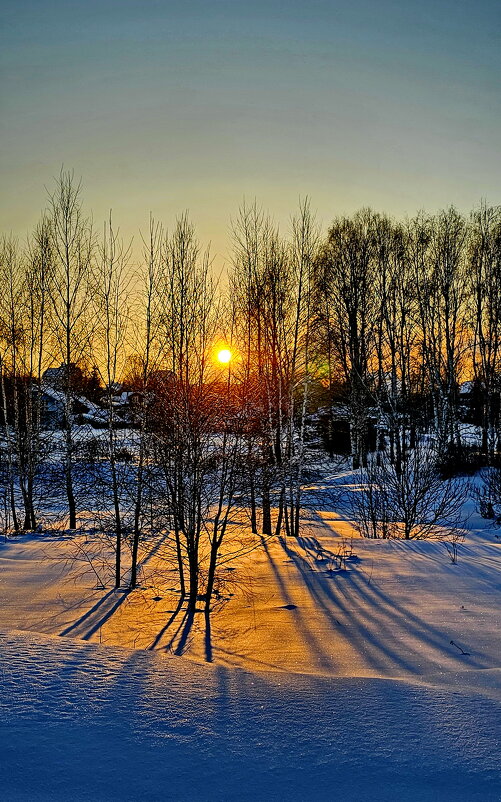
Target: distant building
(52,407)
(55,377)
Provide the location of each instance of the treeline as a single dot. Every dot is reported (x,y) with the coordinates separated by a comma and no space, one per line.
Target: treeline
(379,323)
(409,312)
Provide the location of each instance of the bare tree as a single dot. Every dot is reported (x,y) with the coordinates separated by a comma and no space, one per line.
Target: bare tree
(485,276)
(145,349)
(264,309)
(441,285)
(414,503)
(259,282)
(11,339)
(397,336)
(36,280)
(111,307)
(72,248)
(345,275)
(270,283)
(198,464)
(303,253)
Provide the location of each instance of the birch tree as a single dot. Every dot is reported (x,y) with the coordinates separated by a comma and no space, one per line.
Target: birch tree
(11,340)
(72,249)
(145,350)
(345,273)
(197,445)
(111,308)
(441,285)
(484,263)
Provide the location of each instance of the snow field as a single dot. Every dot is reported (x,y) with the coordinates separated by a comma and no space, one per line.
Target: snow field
(85,722)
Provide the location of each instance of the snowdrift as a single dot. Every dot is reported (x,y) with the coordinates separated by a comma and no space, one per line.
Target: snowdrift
(86,722)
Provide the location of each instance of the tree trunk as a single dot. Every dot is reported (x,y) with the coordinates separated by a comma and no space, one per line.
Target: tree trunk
(266,504)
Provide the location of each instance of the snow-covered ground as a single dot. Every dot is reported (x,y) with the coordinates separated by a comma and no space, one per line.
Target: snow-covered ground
(87,722)
(322,683)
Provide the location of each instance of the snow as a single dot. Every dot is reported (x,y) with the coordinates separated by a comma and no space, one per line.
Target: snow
(380,681)
(87,722)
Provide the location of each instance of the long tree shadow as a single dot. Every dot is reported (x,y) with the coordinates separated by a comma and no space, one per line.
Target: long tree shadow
(164,629)
(330,598)
(97,616)
(322,658)
(169,646)
(87,615)
(98,624)
(333,606)
(155,548)
(208,640)
(374,617)
(186,629)
(396,612)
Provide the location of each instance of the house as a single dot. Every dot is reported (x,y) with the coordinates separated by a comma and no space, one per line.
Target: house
(52,407)
(55,377)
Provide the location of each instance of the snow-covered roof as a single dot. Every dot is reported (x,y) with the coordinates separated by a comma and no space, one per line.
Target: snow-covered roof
(60,397)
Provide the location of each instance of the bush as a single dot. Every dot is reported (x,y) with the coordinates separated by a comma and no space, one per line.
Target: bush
(91,451)
(460,461)
(488,495)
(123,455)
(413,503)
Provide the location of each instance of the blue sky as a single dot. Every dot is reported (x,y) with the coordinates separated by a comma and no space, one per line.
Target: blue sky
(163,106)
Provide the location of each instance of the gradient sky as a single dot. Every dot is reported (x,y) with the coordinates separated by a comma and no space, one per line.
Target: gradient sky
(163,106)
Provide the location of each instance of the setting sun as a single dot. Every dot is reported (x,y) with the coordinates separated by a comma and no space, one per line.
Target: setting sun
(224,356)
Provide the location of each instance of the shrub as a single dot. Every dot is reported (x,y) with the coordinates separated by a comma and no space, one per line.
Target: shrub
(413,503)
(460,461)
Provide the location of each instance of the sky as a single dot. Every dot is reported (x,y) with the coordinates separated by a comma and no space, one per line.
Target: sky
(161,106)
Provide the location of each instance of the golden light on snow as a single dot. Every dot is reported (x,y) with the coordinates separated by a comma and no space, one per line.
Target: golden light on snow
(224,356)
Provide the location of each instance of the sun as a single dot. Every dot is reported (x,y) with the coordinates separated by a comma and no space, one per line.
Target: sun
(224,356)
